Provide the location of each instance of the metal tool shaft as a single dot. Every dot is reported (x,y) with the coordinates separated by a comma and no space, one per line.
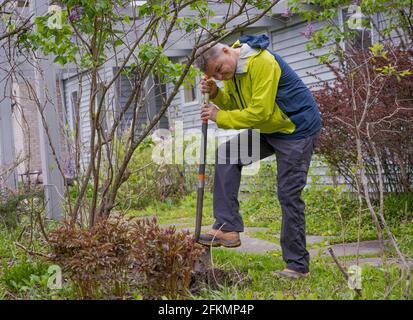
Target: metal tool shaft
(201,174)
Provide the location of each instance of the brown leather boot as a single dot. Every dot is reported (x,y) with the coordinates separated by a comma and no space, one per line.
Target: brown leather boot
(217,238)
(290,274)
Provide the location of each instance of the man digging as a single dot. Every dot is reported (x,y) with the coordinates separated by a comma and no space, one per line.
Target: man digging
(262,92)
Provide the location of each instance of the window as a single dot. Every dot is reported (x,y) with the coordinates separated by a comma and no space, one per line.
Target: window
(190,92)
(359,25)
(22,3)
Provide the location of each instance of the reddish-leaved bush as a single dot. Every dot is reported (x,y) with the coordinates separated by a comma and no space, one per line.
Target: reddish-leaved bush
(118,256)
(371,92)
(96,260)
(164,259)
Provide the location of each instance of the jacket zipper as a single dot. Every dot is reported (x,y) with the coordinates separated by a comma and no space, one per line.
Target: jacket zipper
(239,94)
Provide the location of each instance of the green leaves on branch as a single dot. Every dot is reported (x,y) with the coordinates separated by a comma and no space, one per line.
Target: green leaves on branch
(159,8)
(259,4)
(200,20)
(188,24)
(155,7)
(391,70)
(8,22)
(96,8)
(55,31)
(50,39)
(357,17)
(162,65)
(149,52)
(378,51)
(103,6)
(200,6)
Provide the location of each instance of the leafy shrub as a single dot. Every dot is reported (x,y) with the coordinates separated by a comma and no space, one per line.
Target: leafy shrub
(149,181)
(332,212)
(261,209)
(163,258)
(117,256)
(405,239)
(95,259)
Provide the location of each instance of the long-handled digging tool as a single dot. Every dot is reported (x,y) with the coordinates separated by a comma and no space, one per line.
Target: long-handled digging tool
(204,262)
(201,173)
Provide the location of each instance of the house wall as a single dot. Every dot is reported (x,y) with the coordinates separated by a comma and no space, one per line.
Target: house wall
(115,100)
(26,130)
(123,91)
(286,39)
(289,42)
(25,122)
(382,22)
(154,92)
(81,84)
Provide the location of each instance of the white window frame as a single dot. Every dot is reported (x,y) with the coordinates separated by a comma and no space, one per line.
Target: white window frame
(196,91)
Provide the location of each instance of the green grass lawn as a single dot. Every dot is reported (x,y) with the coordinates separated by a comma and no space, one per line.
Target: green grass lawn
(328,213)
(255,280)
(180,213)
(335,216)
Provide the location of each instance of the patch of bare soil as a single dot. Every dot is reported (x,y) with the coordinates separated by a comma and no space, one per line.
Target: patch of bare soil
(213,278)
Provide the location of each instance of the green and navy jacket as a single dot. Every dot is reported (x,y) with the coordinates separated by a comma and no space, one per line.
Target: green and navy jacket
(266,94)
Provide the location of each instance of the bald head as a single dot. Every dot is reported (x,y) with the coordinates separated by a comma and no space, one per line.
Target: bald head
(208,53)
(218,61)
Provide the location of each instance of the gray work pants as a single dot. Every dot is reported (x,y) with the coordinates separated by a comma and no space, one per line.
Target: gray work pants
(293,161)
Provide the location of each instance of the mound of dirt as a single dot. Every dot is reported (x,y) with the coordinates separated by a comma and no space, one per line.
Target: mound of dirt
(213,278)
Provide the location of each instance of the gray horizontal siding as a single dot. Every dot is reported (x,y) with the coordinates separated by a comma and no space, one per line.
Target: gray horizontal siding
(188,113)
(72,84)
(124,91)
(174,109)
(290,44)
(382,22)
